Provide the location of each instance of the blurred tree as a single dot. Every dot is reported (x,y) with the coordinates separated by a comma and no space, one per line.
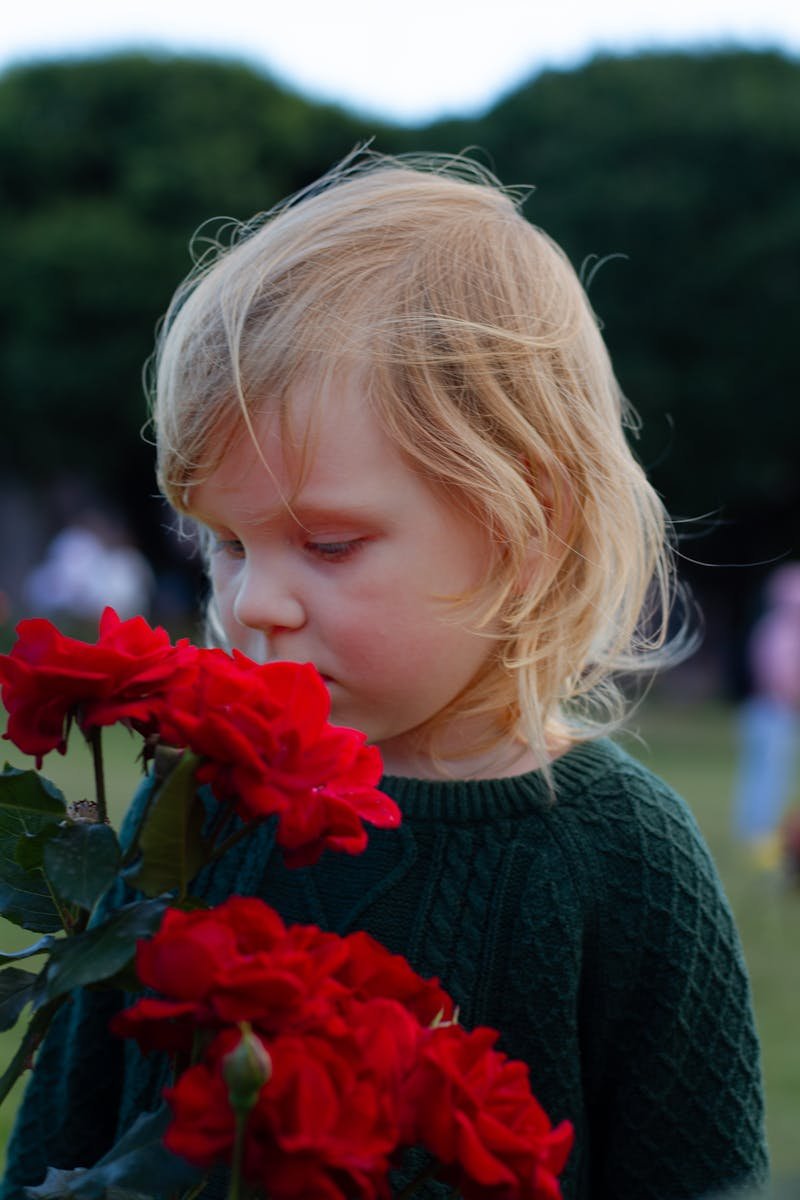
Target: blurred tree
(107,166)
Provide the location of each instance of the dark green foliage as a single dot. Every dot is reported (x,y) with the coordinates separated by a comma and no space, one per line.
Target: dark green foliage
(172,845)
(16,989)
(81,862)
(101,952)
(30,807)
(127,1171)
(107,166)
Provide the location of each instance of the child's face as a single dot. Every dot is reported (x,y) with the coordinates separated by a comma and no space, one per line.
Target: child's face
(354,578)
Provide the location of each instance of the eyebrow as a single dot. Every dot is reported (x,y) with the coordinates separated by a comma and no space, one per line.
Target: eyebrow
(302,513)
(309,512)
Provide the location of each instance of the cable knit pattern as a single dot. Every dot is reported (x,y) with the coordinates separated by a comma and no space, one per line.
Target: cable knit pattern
(590,929)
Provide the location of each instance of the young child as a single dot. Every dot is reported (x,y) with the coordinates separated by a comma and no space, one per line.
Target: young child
(390,410)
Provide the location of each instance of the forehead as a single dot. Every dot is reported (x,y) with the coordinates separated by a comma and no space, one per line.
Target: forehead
(322,446)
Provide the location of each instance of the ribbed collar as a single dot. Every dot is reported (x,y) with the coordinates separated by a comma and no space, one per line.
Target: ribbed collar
(482,799)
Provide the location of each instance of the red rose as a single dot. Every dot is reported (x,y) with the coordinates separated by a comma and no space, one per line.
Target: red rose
(324,1124)
(474,1110)
(370,970)
(204,1124)
(158,1024)
(262,732)
(189,954)
(267,747)
(291,986)
(49,679)
(225,715)
(233,963)
(238,962)
(332,1116)
(357,1071)
(185,961)
(386,1039)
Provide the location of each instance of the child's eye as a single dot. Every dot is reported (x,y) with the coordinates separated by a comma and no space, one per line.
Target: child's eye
(231,547)
(335,551)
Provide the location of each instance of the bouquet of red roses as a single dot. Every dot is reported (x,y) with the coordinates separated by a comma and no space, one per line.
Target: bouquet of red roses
(304,1060)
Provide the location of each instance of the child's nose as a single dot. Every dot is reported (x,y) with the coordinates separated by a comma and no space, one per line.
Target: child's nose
(267,602)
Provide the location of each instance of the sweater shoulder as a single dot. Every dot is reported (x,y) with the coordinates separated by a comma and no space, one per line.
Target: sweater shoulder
(667,995)
(611,802)
(650,892)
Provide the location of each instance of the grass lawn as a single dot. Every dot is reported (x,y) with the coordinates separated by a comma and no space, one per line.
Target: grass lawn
(694,749)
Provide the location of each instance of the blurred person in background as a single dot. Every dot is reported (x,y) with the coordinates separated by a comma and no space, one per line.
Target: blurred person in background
(770,720)
(88,565)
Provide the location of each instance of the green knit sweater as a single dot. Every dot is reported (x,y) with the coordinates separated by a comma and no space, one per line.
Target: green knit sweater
(592,931)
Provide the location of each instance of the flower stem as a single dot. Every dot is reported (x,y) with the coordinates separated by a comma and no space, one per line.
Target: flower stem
(195,1191)
(235,1188)
(99,779)
(63,913)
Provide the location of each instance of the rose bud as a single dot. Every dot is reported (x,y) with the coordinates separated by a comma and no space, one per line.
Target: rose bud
(246,1069)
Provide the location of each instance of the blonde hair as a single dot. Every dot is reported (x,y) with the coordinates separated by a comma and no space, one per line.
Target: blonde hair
(482,358)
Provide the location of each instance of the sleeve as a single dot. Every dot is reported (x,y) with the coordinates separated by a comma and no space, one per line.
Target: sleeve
(677,1106)
(68,1115)
(69,1110)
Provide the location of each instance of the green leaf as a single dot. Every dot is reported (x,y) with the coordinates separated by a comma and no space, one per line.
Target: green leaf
(139,1165)
(16,989)
(30,1041)
(25,897)
(101,952)
(58,1184)
(81,862)
(29,805)
(41,947)
(30,792)
(172,846)
(30,848)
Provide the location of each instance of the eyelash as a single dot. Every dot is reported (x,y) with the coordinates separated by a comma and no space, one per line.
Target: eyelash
(230,546)
(335,551)
(327,551)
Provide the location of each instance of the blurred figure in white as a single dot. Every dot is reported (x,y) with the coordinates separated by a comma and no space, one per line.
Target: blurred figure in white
(770,720)
(88,565)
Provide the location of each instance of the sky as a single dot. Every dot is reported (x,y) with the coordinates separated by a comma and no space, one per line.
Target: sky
(402,60)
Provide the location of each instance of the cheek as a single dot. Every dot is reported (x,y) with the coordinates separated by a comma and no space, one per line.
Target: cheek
(223,597)
(406,641)
(222,594)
